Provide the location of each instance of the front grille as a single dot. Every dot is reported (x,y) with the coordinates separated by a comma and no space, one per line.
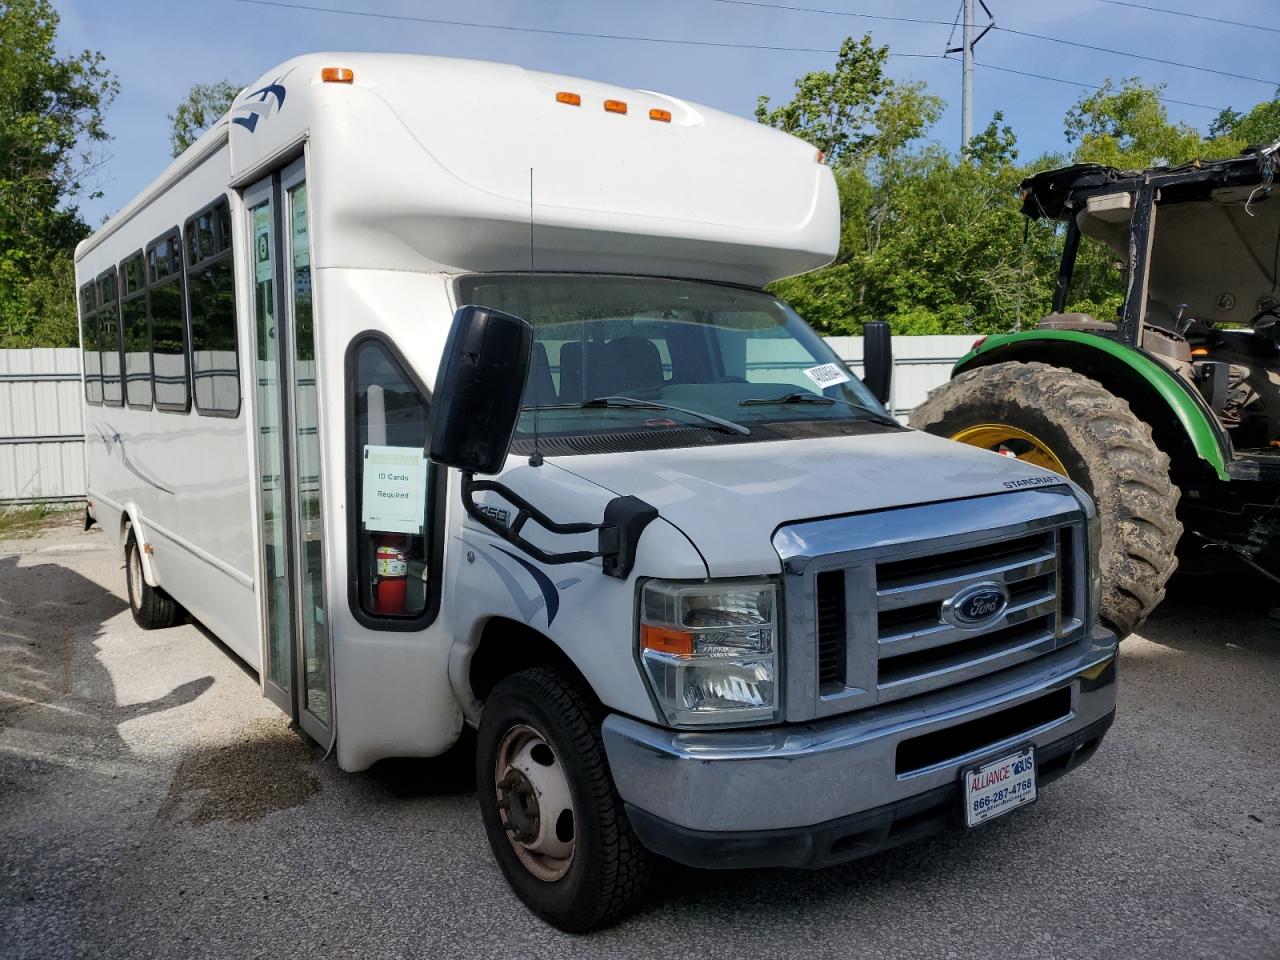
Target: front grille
(875,596)
(919,650)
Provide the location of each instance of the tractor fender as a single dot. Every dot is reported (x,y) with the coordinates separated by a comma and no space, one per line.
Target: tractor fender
(1192,437)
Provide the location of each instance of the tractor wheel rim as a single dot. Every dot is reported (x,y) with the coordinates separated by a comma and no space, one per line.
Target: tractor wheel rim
(535,803)
(1013,441)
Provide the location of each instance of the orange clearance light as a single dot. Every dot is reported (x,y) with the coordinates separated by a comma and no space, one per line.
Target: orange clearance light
(615,106)
(337,75)
(572,99)
(666,640)
(662,116)
(1199,352)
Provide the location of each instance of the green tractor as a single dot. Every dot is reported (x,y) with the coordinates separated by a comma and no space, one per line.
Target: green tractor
(1169,416)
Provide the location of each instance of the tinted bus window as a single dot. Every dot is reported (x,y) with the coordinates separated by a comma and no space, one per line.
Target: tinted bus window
(168,325)
(89,344)
(211,292)
(108,317)
(136,332)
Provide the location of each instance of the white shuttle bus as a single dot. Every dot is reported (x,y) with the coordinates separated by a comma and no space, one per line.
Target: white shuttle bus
(445,393)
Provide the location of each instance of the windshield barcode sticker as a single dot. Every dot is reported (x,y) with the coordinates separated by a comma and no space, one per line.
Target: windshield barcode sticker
(827,375)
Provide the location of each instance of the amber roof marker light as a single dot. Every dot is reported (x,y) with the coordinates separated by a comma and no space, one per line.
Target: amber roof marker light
(337,75)
(615,106)
(571,99)
(662,116)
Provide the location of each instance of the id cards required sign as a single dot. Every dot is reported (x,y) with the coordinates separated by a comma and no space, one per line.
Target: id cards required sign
(395,487)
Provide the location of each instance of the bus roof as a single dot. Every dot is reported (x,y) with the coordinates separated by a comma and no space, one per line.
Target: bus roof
(439,164)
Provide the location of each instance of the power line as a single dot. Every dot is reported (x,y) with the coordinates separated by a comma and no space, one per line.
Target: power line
(1192,16)
(669,40)
(834,13)
(1080,83)
(1137,56)
(1024,33)
(440,21)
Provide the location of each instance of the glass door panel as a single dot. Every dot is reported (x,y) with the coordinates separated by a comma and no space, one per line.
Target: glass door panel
(311,619)
(273,471)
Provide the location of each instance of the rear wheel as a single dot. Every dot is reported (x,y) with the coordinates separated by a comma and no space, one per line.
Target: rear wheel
(152,608)
(1063,421)
(552,814)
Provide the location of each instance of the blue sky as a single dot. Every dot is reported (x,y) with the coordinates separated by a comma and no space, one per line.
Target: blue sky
(159,49)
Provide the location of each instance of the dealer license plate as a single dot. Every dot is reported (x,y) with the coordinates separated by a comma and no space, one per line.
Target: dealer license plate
(999,786)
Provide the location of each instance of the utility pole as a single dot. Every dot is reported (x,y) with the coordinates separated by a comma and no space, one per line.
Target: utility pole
(969,41)
(966,103)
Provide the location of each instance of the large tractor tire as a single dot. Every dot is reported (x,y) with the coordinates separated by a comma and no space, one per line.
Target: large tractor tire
(1062,420)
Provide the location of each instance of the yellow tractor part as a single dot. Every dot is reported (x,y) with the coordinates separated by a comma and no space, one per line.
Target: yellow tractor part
(1011,441)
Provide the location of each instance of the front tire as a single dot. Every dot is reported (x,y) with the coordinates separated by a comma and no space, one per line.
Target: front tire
(152,608)
(1064,421)
(554,819)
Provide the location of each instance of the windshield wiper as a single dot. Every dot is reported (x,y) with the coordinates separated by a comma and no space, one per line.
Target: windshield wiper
(801,397)
(714,422)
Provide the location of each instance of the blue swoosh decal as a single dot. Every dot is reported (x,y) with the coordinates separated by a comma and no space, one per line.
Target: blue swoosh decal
(549,592)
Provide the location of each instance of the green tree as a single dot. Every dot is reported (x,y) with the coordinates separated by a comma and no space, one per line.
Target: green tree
(199,109)
(51,111)
(1260,126)
(1127,126)
(834,109)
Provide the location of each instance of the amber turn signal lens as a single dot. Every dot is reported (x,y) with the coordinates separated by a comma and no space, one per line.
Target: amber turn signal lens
(1199,352)
(572,99)
(337,75)
(666,640)
(662,116)
(615,106)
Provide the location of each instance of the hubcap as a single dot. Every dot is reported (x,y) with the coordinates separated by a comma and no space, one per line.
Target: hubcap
(135,576)
(1012,442)
(534,803)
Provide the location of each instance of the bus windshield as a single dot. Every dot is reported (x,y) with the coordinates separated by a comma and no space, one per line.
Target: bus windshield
(628,354)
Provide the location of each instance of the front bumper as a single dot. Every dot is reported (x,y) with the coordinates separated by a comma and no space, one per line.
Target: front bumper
(832,790)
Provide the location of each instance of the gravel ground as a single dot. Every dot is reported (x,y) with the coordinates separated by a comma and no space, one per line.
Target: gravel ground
(153,804)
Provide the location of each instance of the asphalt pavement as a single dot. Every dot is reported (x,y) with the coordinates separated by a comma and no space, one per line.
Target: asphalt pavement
(153,804)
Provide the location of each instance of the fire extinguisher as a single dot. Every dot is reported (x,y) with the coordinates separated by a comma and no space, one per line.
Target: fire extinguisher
(391,574)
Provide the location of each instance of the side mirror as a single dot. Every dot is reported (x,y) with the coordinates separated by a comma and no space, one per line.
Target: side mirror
(877,359)
(476,402)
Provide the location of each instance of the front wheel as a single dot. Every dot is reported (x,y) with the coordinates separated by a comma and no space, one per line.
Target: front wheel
(1063,421)
(552,814)
(152,608)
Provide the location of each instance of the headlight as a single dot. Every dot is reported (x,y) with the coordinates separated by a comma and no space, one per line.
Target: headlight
(710,649)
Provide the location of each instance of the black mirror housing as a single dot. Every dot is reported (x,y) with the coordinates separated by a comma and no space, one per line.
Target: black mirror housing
(479,387)
(877,359)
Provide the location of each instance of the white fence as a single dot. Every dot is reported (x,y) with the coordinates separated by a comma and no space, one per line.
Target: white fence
(41,425)
(42,431)
(919,365)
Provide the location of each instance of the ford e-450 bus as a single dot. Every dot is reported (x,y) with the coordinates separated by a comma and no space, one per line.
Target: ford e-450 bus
(447,393)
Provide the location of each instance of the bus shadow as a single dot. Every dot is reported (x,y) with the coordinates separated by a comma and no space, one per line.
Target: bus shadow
(407,778)
(53,686)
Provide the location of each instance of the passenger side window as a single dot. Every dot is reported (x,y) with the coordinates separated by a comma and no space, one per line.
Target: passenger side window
(89,344)
(168,324)
(109,338)
(136,332)
(211,292)
(393,486)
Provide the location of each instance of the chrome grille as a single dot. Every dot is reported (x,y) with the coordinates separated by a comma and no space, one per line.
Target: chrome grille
(868,593)
(918,650)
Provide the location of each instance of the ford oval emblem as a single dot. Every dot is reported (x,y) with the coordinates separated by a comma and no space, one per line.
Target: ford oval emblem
(977,605)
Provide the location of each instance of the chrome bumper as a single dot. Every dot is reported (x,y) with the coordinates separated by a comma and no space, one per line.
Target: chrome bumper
(803,775)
